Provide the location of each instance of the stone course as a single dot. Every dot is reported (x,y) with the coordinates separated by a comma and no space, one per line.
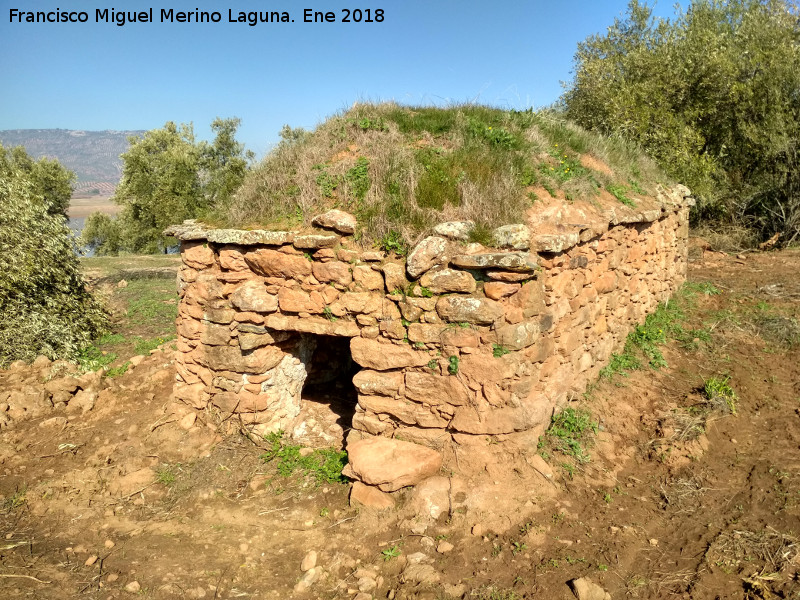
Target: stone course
(457,340)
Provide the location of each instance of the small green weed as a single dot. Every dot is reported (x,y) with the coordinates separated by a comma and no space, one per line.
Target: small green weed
(325,465)
(452,366)
(16,500)
(328,314)
(720,394)
(120,370)
(391,552)
(701,287)
(433,364)
(393,242)
(517,547)
(568,432)
(498,350)
(143,346)
(92,358)
(620,364)
(358,178)
(620,192)
(166,474)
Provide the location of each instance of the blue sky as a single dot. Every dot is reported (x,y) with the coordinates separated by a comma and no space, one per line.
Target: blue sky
(101,76)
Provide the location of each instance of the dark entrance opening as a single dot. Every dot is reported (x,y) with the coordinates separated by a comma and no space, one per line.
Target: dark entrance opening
(328,400)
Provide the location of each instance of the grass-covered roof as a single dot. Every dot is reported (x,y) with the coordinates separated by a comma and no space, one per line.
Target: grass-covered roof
(401,170)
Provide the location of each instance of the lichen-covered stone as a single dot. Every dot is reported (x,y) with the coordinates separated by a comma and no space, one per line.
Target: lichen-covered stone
(383,383)
(315,325)
(338,220)
(427,253)
(442,280)
(521,262)
(469,309)
(250,238)
(426,333)
(395,276)
(315,241)
(515,237)
(428,388)
(455,230)
(231,358)
(519,336)
(555,242)
(252,296)
(368,278)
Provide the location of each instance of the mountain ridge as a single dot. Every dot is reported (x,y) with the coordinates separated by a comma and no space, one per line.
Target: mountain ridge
(94,156)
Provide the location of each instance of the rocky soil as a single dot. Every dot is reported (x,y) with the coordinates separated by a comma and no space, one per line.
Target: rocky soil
(109,489)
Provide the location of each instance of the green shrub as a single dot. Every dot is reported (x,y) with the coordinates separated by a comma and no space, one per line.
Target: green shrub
(44,305)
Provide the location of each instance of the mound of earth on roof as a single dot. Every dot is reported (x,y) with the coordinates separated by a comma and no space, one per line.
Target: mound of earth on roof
(402,170)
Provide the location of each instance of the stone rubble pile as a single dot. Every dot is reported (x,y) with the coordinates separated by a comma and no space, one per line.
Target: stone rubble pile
(33,390)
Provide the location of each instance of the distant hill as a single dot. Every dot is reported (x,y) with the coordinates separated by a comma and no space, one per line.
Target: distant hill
(93,155)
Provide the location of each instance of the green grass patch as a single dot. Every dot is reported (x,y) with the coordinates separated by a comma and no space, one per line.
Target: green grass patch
(144,346)
(91,358)
(166,474)
(568,434)
(324,465)
(642,347)
(151,304)
(120,370)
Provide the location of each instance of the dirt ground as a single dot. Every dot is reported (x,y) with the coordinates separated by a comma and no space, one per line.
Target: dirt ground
(83,206)
(129,500)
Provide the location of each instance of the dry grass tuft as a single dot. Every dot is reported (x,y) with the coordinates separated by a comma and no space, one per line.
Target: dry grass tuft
(683,494)
(401,170)
(770,551)
(731,238)
(778,329)
(687,425)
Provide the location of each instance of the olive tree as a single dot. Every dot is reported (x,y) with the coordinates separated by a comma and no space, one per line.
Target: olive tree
(167,177)
(713,95)
(44,305)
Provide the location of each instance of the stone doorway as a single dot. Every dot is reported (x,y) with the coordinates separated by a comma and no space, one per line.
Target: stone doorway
(328,398)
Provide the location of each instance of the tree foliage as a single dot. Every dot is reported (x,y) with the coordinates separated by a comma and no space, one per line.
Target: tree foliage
(168,177)
(49,177)
(713,95)
(44,305)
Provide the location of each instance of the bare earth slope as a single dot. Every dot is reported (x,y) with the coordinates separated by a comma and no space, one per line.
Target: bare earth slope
(131,498)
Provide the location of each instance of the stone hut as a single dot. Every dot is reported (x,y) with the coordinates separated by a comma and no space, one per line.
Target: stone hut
(453,342)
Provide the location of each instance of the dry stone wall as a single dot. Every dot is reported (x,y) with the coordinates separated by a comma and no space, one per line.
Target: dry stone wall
(455,341)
